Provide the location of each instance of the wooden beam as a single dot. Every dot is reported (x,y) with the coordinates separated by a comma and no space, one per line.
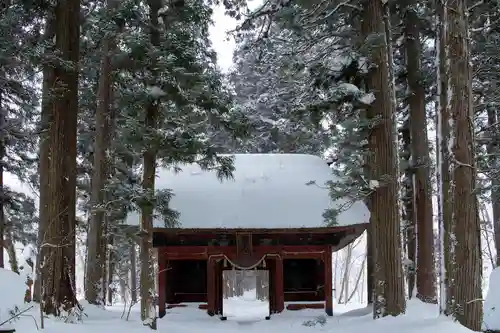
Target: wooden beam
(186,256)
(203,252)
(162,282)
(328,281)
(302,255)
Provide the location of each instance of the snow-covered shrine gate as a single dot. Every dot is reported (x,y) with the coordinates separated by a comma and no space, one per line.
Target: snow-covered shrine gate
(270,214)
(249,251)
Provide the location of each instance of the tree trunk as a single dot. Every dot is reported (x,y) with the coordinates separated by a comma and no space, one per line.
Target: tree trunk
(96,248)
(335,268)
(29,282)
(148,314)
(111,268)
(466,227)
(382,163)
(59,241)
(2,191)
(104,250)
(347,272)
(133,275)
(44,153)
(369,266)
(11,251)
(408,207)
(358,279)
(443,174)
(124,266)
(424,264)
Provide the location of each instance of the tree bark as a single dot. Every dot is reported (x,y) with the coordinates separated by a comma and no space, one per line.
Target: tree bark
(147,291)
(424,264)
(382,163)
(133,275)
(148,315)
(358,279)
(408,208)
(2,190)
(335,269)
(28,296)
(124,266)
(466,227)
(443,174)
(44,153)
(345,280)
(104,250)
(111,268)
(369,266)
(11,251)
(59,241)
(104,119)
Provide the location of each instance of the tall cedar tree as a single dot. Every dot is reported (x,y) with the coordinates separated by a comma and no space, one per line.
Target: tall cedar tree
(44,150)
(443,174)
(408,213)
(148,314)
(382,163)
(466,244)
(59,239)
(425,272)
(96,243)
(2,191)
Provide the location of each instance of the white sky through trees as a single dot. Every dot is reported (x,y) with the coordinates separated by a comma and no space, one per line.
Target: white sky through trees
(222,43)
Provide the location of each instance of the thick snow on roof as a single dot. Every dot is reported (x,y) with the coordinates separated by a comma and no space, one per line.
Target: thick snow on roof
(268,191)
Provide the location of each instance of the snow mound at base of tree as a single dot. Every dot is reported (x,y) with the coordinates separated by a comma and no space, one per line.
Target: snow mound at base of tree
(359,312)
(90,310)
(491,317)
(12,291)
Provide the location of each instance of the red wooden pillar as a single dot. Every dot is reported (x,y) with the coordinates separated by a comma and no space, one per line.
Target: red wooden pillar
(278,285)
(162,281)
(270,263)
(327,259)
(211,287)
(219,288)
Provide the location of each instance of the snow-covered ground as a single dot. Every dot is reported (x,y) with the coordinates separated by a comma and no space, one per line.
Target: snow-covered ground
(246,307)
(491,318)
(245,317)
(419,319)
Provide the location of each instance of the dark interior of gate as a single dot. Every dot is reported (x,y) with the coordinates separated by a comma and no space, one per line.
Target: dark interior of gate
(187,281)
(299,262)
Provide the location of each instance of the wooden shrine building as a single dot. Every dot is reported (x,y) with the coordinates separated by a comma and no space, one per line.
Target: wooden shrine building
(268,217)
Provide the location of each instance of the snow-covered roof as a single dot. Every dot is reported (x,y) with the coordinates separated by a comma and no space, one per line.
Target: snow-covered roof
(269,191)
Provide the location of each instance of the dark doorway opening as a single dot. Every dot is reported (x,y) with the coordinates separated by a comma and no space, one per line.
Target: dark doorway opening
(303,280)
(186,281)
